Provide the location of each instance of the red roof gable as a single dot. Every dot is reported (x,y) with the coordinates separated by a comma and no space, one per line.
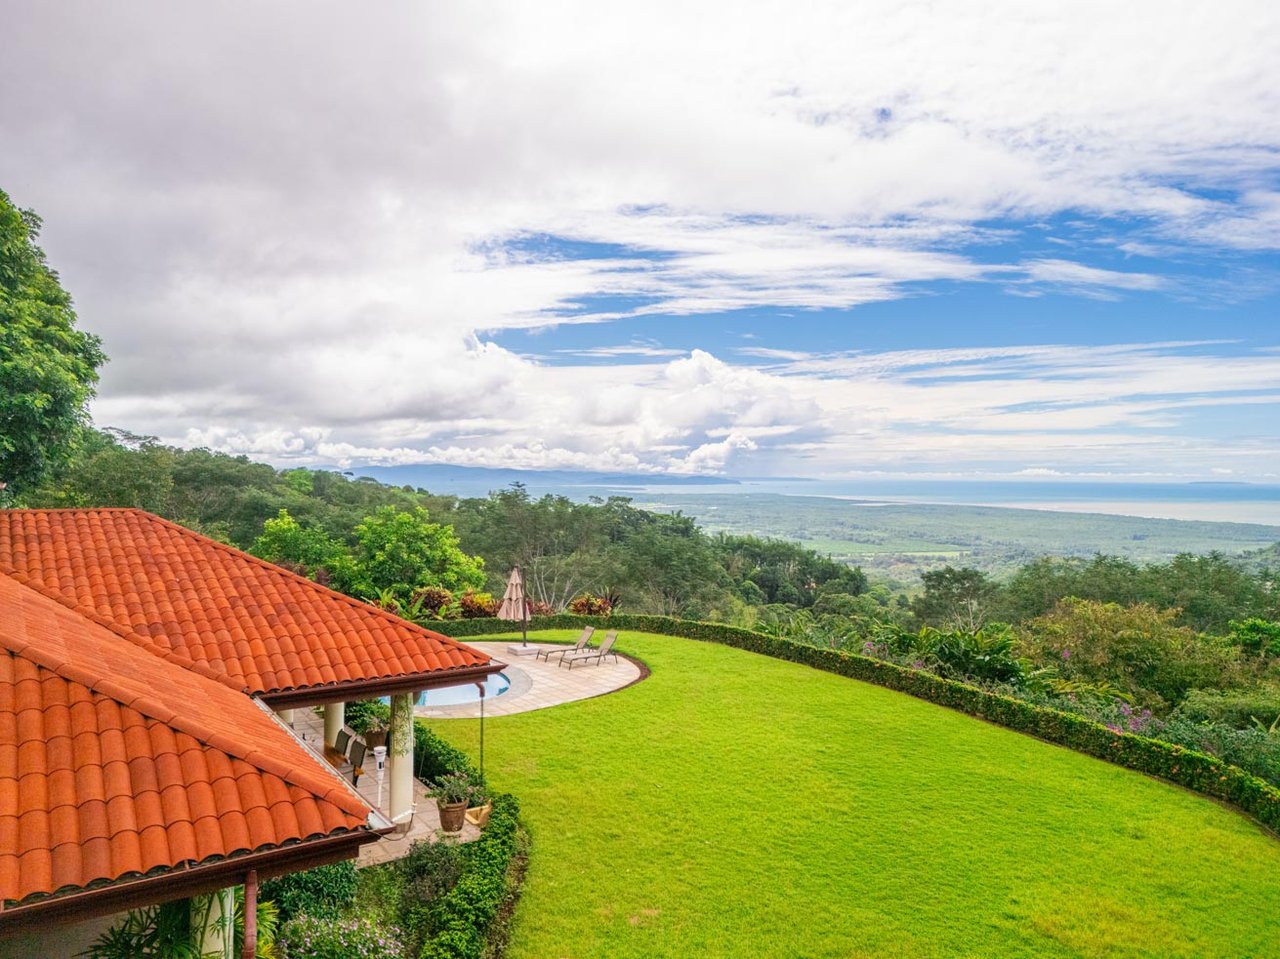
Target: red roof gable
(115,763)
(263,629)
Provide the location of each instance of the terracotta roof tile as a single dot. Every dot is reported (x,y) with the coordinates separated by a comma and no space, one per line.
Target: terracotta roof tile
(196,601)
(146,768)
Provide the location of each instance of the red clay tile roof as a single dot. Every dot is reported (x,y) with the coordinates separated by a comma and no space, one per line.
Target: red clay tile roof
(116,763)
(263,628)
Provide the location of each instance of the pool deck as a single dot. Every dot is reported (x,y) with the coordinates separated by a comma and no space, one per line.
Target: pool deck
(538,684)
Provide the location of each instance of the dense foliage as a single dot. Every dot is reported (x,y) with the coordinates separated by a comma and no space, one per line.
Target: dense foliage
(324,892)
(430,557)
(48,368)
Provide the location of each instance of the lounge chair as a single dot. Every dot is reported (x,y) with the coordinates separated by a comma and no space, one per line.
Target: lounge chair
(577,647)
(598,654)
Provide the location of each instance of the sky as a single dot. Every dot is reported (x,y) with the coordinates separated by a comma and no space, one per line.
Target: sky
(855,239)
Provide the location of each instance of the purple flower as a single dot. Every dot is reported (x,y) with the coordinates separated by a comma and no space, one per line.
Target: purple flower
(1066,654)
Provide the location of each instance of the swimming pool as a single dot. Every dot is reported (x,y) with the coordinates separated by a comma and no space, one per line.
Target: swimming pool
(495,685)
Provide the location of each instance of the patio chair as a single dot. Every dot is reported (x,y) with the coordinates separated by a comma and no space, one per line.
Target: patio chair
(598,654)
(577,647)
(337,753)
(358,750)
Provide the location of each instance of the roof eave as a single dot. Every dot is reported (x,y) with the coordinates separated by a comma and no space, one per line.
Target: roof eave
(182,882)
(383,686)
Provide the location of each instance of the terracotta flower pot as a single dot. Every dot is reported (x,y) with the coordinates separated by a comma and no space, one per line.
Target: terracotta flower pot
(452,815)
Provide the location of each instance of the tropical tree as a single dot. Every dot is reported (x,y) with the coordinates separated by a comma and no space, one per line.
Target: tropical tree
(307,550)
(1137,648)
(48,368)
(112,468)
(400,552)
(955,598)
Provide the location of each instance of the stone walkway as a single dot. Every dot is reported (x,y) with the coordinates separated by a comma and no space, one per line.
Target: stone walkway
(537,683)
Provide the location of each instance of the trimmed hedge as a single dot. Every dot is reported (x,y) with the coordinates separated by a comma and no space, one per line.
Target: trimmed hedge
(465,916)
(433,757)
(467,912)
(1177,764)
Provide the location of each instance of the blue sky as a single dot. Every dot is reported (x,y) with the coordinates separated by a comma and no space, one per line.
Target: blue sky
(991,239)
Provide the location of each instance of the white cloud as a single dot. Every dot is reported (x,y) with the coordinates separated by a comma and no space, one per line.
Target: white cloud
(297,240)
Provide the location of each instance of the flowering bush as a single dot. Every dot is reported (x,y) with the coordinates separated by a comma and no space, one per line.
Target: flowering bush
(589,605)
(477,605)
(310,937)
(431,602)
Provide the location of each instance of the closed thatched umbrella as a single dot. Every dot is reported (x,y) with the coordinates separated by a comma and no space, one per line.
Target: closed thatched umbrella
(515,607)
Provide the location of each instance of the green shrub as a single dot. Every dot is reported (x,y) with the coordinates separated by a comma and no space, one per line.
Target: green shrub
(434,758)
(465,915)
(323,892)
(1137,648)
(1257,637)
(1176,763)
(367,714)
(311,937)
(457,924)
(429,872)
(1236,708)
(1253,750)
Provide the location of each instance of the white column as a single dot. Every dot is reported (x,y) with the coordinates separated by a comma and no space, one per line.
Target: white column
(400,757)
(286,716)
(216,938)
(335,714)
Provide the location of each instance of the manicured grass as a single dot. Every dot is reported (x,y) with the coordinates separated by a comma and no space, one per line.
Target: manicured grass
(735,805)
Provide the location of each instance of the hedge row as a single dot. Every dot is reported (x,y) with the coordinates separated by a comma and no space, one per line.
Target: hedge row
(433,757)
(1177,764)
(465,916)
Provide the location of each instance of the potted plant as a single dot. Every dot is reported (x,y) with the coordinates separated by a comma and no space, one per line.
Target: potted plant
(370,721)
(453,793)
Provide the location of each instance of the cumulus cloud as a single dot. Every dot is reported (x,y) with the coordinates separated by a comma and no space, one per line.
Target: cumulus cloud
(303,229)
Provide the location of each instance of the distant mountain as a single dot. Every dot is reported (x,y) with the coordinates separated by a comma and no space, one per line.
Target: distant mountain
(479,480)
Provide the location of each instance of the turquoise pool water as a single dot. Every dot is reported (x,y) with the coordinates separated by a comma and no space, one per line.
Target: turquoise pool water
(495,685)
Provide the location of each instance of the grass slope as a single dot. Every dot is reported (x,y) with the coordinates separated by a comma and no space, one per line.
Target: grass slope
(734,805)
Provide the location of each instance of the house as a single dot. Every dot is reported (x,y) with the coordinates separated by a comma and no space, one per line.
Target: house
(147,680)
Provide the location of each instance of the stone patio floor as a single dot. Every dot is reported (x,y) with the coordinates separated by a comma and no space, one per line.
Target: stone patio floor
(538,684)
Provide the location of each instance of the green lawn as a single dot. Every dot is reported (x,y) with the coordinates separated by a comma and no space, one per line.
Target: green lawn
(734,805)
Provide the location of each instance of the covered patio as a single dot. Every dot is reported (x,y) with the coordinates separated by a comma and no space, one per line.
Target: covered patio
(423,822)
